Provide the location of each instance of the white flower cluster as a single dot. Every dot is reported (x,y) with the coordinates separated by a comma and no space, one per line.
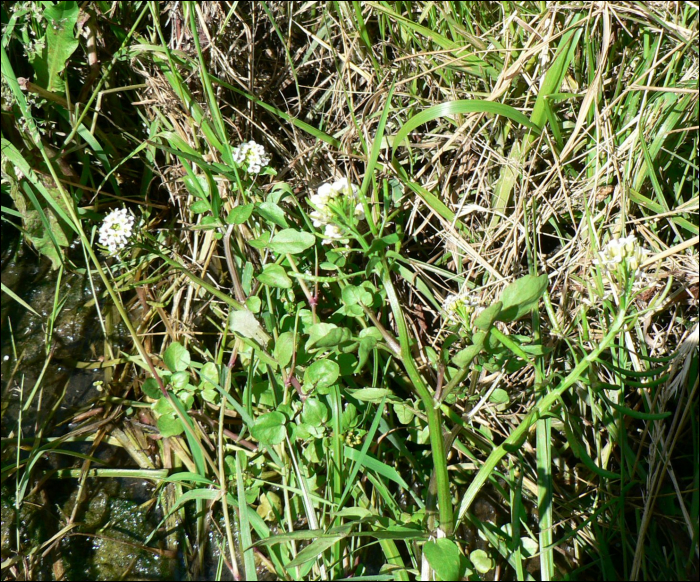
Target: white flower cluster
(116,229)
(622,251)
(253,155)
(454,303)
(340,193)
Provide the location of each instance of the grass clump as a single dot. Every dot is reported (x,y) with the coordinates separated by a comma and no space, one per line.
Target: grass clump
(411,287)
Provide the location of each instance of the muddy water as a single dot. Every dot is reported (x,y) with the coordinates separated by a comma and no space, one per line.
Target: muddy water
(115,515)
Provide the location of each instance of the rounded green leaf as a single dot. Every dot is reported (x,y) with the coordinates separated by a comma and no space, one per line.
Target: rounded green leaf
(210,373)
(179,380)
(151,388)
(269,428)
(176,357)
(482,561)
(403,413)
(444,557)
(321,373)
(274,276)
(290,241)
(169,426)
(315,412)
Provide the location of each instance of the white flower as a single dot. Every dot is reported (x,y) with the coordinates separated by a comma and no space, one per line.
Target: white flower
(618,251)
(359,211)
(253,155)
(340,194)
(332,234)
(460,302)
(116,229)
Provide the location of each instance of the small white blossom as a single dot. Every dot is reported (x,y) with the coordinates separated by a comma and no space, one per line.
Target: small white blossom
(252,155)
(618,251)
(116,229)
(332,234)
(461,302)
(341,194)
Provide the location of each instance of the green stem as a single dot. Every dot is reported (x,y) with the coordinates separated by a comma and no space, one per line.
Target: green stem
(437,442)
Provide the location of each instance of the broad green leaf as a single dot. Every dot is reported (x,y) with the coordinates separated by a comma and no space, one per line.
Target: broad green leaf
(314,412)
(324,335)
(199,207)
(321,373)
(444,557)
(272,213)
(284,348)
(169,425)
(292,241)
(521,296)
(486,318)
(151,388)
(463,358)
(61,42)
(404,413)
(482,561)
(176,357)
(180,380)
(269,428)
(209,372)
(270,506)
(240,214)
(356,295)
(275,276)
(371,394)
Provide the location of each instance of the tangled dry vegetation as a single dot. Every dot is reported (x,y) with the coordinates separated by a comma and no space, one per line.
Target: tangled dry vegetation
(491,142)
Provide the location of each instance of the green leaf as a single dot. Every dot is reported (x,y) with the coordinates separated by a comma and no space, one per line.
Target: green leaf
(253,303)
(209,373)
(463,358)
(487,317)
(240,214)
(274,276)
(459,107)
(326,335)
(269,428)
(169,425)
(319,545)
(444,557)
(176,357)
(284,348)
(151,388)
(272,213)
(180,380)
(371,394)
(322,373)
(404,413)
(243,323)
(61,42)
(292,241)
(199,207)
(482,561)
(499,396)
(356,295)
(314,412)
(521,296)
